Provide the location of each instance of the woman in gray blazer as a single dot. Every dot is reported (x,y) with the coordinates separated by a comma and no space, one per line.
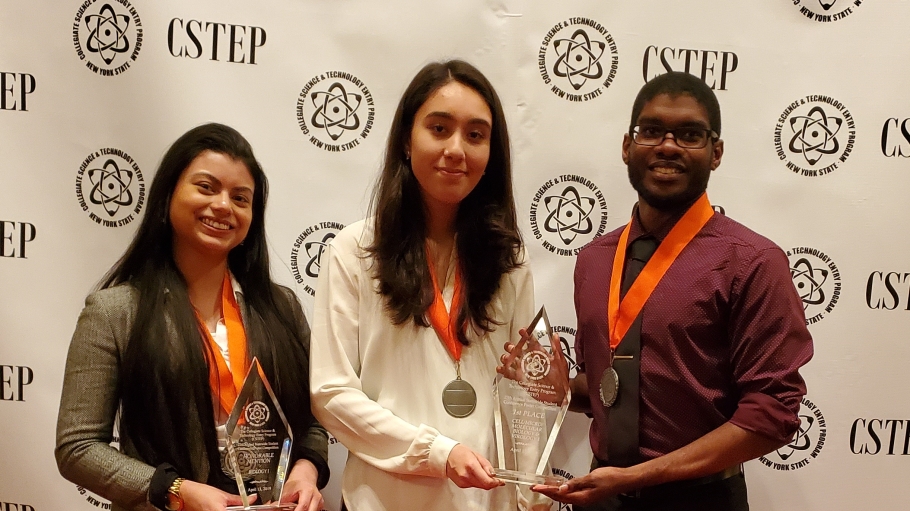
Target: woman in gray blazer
(167,339)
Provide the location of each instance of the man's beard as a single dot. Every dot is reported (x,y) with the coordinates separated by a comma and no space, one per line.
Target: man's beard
(669,203)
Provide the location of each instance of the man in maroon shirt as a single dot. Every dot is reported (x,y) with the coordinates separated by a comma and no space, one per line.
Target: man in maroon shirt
(694,369)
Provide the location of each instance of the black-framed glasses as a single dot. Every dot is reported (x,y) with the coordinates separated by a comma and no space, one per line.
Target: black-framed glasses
(687,137)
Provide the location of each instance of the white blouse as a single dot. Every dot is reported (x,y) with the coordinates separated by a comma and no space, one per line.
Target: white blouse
(377,387)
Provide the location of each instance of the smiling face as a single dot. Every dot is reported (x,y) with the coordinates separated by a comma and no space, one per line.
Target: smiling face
(666,176)
(211,207)
(449,146)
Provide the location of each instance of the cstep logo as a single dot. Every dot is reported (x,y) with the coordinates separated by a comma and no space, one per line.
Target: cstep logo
(814,135)
(567,212)
(107,36)
(335,110)
(578,59)
(110,188)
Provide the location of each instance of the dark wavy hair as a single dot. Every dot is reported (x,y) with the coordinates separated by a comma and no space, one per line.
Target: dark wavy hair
(676,83)
(489,242)
(161,373)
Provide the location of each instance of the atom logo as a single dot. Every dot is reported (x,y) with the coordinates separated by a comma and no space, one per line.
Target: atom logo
(256,414)
(336,110)
(107,37)
(814,134)
(315,249)
(569,214)
(111,187)
(535,365)
(809,282)
(579,58)
(801,441)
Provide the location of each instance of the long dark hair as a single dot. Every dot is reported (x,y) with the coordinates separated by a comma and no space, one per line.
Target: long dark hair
(489,241)
(164,375)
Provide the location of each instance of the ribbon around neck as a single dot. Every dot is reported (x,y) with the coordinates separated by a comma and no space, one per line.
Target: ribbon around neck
(224,382)
(443,321)
(622,315)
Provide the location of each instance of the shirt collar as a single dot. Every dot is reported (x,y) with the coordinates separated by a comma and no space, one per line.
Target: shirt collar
(638,231)
(238,291)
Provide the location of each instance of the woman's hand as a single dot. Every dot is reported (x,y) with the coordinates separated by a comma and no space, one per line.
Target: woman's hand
(202,497)
(467,469)
(301,487)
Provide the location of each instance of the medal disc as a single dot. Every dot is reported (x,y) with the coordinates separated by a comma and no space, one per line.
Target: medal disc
(459,398)
(609,387)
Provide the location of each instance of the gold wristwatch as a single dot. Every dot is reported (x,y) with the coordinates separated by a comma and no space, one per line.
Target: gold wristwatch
(174,502)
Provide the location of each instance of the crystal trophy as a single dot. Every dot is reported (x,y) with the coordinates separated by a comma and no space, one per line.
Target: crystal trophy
(259,442)
(530,399)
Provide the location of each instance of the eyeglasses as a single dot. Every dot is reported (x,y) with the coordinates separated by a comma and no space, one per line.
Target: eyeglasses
(687,137)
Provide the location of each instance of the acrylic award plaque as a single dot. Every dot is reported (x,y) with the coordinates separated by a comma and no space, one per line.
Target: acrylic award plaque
(259,442)
(530,399)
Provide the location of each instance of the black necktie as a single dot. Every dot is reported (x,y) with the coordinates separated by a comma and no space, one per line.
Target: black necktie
(622,447)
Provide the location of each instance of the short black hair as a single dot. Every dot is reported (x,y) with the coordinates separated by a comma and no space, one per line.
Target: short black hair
(676,83)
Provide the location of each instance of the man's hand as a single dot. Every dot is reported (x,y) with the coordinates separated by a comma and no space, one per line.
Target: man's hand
(599,485)
(467,469)
(726,446)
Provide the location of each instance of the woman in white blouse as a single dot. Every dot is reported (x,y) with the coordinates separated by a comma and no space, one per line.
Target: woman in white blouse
(402,362)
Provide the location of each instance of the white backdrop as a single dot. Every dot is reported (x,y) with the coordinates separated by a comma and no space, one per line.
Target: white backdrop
(815,107)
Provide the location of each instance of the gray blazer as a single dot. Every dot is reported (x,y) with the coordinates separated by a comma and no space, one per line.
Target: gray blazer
(90,401)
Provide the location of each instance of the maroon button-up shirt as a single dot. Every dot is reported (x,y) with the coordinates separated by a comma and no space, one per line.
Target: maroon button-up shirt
(722,338)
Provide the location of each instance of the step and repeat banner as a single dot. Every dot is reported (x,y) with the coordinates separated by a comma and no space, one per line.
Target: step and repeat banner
(816,116)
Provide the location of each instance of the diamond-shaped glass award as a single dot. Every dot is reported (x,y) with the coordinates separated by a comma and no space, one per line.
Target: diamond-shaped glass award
(259,442)
(530,400)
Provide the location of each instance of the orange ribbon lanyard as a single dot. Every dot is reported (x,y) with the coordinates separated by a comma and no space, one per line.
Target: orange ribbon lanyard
(226,383)
(622,315)
(443,322)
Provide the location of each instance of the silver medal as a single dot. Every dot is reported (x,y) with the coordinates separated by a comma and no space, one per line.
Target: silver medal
(459,398)
(609,387)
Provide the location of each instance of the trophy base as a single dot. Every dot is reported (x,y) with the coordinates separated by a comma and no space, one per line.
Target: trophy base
(284,506)
(513,476)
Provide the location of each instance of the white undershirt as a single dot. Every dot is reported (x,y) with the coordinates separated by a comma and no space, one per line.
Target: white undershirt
(221,339)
